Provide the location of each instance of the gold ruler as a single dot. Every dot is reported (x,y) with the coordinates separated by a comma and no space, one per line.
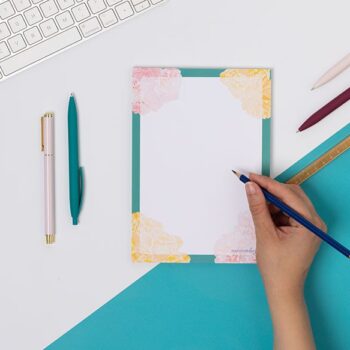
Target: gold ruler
(321,162)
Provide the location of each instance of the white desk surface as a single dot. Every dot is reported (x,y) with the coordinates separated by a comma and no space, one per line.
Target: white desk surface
(44,291)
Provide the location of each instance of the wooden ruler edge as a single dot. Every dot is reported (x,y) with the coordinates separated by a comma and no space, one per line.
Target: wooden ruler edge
(320,162)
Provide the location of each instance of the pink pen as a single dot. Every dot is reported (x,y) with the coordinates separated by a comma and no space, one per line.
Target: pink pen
(47,146)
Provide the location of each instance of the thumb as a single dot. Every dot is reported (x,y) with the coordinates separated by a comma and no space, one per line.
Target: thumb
(259,209)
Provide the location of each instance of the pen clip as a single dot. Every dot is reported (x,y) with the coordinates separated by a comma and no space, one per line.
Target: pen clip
(42,133)
(81,187)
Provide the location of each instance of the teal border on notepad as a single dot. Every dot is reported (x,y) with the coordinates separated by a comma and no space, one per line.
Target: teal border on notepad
(316,153)
(136,151)
(135,162)
(202,258)
(201,72)
(266,147)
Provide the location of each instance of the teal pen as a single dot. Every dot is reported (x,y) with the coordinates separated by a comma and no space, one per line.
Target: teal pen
(76,179)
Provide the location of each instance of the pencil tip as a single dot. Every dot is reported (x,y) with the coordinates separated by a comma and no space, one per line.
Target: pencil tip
(313,88)
(298,131)
(236,173)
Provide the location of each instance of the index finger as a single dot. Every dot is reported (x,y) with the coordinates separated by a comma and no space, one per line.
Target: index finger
(283,192)
(276,188)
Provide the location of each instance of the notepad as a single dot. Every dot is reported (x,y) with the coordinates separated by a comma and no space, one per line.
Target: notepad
(190,127)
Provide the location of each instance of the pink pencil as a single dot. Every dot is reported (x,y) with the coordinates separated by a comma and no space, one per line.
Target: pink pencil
(333,72)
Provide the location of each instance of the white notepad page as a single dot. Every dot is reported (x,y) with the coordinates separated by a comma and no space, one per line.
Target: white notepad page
(188,147)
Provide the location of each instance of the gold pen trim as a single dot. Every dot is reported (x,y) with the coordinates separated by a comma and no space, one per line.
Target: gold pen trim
(46,115)
(50,239)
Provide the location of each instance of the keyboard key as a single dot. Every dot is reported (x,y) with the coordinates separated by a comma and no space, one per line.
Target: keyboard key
(49,8)
(124,10)
(4,31)
(89,27)
(154,2)
(108,18)
(33,16)
(6,10)
(4,51)
(21,4)
(36,1)
(80,12)
(142,6)
(113,2)
(64,4)
(16,43)
(17,23)
(48,27)
(136,2)
(65,20)
(32,35)
(40,51)
(96,5)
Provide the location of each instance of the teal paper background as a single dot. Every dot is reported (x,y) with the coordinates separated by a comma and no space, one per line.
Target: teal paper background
(223,307)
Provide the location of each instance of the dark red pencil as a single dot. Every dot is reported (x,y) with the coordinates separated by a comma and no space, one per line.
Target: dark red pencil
(326,110)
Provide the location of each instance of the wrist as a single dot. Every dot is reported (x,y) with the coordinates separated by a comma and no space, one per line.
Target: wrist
(290,319)
(287,285)
(285,293)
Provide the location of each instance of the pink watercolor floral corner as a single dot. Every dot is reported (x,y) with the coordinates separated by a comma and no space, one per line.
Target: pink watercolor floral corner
(239,246)
(154,87)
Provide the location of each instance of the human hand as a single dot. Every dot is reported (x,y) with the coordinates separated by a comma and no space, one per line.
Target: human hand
(285,249)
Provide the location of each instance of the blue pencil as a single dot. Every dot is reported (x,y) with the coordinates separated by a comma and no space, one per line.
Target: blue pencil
(299,218)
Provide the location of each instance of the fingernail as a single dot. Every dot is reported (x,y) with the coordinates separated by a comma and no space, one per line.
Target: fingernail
(250,188)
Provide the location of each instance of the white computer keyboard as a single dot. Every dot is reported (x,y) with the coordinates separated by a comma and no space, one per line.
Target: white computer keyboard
(33,30)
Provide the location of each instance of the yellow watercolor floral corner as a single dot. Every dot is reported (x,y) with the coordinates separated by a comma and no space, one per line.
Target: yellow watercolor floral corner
(252,87)
(150,242)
